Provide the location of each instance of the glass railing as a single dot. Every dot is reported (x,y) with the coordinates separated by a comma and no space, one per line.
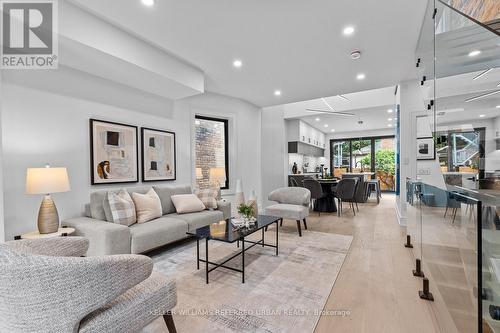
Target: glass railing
(453,194)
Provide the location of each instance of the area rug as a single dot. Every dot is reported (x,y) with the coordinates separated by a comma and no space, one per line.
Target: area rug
(285,293)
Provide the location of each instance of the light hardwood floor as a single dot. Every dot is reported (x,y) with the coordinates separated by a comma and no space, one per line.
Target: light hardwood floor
(375,284)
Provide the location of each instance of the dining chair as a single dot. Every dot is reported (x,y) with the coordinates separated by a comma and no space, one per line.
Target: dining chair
(294,182)
(345,191)
(316,191)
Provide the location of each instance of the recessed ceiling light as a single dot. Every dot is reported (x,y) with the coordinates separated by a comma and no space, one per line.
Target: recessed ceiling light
(237,63)
(325,125)
(197,122)
(148,3)
(277,93)
(390,119)
(389,125)
(360,76)
(498,106)
(349,30)
(389,111)
(395,118)
(332,130)
(474,53)
(482,115)
(317,119)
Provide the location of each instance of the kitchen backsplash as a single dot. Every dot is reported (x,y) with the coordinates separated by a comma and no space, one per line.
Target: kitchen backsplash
(304,161)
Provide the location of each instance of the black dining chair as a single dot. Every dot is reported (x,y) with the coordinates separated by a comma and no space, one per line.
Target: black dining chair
(345,191)
(316,190)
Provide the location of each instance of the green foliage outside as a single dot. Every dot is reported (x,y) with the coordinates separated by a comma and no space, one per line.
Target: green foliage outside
(384,161)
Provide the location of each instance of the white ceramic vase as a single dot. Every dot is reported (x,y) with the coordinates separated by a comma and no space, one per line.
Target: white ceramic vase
(239,196)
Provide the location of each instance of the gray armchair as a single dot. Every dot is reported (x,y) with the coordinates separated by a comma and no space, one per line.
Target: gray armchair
(292,203)
(46,287)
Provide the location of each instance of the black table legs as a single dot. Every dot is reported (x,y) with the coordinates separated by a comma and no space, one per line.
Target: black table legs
(277,229)
(197,253)
(243,260)
(244,248)
(206,259)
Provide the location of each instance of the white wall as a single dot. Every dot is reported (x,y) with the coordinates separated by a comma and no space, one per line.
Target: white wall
(42,127)
(274,151)
(2,226)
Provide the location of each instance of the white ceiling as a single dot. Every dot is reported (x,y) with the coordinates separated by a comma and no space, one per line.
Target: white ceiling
(454,90)
(371,106)
(368,106)
(295,46)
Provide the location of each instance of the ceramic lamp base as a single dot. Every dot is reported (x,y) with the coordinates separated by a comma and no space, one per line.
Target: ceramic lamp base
(48,218)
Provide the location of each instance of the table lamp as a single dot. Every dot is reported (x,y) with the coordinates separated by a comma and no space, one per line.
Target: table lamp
(218,175)
(199,173)
(46,181)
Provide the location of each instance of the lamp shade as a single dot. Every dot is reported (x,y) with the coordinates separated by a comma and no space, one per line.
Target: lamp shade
(218,174)
(199,173)
(46,180)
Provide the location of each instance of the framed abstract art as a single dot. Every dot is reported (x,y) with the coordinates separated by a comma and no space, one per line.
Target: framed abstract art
(426,149)
(113,153)
(158,155)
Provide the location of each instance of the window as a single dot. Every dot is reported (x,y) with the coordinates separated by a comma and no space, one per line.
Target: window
(373,154)
(211,148)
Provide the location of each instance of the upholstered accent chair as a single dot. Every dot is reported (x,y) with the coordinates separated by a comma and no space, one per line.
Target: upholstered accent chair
(292,203)
(45,286)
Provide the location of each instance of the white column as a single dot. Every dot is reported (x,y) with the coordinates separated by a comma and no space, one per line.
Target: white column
(411,101)
(274,152)
(2,221)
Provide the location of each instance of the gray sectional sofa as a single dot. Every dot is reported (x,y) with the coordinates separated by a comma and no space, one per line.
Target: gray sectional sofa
(111,238)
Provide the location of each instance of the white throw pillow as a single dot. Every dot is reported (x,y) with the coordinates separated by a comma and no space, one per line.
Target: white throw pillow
(121,207)
(147,206)
(187,203)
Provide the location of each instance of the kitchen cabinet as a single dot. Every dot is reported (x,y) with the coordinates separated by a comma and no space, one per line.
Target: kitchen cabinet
(299,131)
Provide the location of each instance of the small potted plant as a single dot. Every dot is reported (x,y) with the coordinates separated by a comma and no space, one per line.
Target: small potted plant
(246,211)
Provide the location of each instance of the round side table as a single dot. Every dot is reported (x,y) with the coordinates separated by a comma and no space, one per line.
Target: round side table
(60,232)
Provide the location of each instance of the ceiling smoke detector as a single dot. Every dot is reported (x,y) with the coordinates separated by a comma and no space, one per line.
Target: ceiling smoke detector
(355,55)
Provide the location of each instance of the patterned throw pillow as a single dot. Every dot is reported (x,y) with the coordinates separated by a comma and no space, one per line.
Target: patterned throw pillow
(122,207)
(208,197)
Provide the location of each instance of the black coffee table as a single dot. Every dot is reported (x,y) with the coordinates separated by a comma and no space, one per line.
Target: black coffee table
(224,231)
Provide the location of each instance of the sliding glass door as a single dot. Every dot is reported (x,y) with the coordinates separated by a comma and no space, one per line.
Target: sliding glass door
(361,151)
(359,155)
(384,163)
(341,157)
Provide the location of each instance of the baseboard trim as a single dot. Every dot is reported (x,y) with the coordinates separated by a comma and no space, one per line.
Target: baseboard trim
(402,220)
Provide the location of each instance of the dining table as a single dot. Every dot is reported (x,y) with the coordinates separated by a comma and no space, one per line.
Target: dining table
(326,204)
